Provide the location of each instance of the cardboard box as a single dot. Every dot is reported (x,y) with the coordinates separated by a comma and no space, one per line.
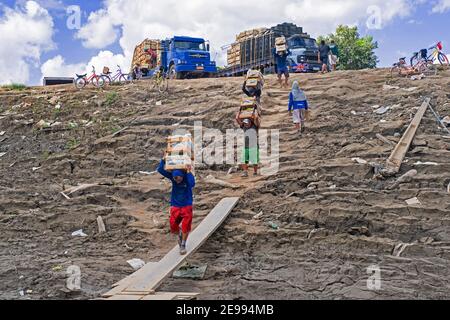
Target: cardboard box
(176,162)
(248,102)
(252,83)
(281,48)
(280,41)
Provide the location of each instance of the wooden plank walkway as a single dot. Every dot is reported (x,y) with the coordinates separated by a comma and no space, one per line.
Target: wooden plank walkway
(395,161)
(146,280)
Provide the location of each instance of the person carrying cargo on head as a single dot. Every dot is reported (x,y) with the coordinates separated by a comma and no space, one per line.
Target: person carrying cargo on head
(322,56)
(334,55)
(298,106)
(250,154)
(253,84)
(181,202)
(280,53)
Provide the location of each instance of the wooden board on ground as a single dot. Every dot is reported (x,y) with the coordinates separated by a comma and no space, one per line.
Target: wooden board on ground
(151,276)
(395,161)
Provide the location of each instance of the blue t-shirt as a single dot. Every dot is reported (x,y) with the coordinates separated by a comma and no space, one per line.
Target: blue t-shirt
(281,59)
(181,193)
(296,105)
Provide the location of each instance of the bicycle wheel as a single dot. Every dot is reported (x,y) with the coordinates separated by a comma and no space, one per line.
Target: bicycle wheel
(395,71)
(163,85)
(443,58)
(99,82)
(106,79)
(123,79)
(80,83)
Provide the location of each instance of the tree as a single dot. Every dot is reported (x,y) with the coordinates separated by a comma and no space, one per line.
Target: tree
(354,52)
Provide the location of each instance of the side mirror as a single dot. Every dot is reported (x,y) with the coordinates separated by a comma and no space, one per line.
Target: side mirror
(207,47)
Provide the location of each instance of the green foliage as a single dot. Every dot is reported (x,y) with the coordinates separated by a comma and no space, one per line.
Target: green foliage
(111,98)
(72,143)
(354,52)
(15,86)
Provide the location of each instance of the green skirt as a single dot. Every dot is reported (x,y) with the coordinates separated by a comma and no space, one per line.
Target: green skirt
(250,156)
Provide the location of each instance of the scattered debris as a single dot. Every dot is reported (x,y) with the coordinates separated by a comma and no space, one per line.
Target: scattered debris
(399,248)
(359,160)
(119,132)
(42,124)
(376,106)
(212,180)
(359,231)
(22,293)
(410,89)
(232,170)
(388,87)
(2,133)
(258,216)
(79,233)
(58,107)
(147,173)
(159,103)
(101,225)
(273,225)
(407,177)
(190,272)
(418,77)
(57,268)
(65,195)
(2,154)
(448,188)
(128,247)
(136,264)
(384,139)
(445,121)
(413,201)
(35,168)
(54,100)
(382,110)
(419,163)
(354,113)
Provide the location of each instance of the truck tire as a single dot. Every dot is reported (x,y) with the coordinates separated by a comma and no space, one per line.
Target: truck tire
(173,74)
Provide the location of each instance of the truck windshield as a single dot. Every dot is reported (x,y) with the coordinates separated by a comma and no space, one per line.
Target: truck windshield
(186,45)
(302,43)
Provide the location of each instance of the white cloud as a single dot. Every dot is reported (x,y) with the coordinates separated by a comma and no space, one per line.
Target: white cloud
(25,32)
(441,6)
(98,32)
(220,21)
(56,67)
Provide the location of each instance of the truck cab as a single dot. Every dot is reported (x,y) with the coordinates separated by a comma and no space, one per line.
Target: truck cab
(186,56)
(303,57)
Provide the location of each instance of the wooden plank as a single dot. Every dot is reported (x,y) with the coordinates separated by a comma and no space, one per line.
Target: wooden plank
(395,161)
(126,297)
(170,296)
(152,275)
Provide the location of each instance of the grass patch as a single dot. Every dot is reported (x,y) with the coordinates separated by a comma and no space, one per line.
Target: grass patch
(111,98)
(72,143)
(15,86)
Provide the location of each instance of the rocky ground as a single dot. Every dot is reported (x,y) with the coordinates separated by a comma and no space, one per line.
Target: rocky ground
(334,219)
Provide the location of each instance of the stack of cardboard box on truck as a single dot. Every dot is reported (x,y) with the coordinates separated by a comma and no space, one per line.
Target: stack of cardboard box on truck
(142,58)
(253,48)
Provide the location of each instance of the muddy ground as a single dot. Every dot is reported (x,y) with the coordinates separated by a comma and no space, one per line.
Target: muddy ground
(335,220)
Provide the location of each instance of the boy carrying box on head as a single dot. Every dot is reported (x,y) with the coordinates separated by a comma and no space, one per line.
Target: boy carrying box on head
(183,181)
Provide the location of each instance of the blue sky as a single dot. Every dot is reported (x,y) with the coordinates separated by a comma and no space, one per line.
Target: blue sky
(110,29)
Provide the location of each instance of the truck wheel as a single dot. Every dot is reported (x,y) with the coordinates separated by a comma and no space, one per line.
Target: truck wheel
(173,74)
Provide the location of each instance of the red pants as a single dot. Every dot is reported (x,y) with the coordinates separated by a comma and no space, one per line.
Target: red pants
(181,215)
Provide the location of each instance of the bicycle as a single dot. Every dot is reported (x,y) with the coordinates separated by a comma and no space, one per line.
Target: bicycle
(401,68)
(94,78)
(160,80)
(119,77)
(436,55)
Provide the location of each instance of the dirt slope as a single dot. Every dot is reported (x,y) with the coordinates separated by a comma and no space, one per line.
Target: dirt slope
(334,219)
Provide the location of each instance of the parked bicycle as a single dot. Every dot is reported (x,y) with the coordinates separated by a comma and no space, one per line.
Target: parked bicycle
(94,78)
(436,55)
(422,66)
(160,80)
(119,77)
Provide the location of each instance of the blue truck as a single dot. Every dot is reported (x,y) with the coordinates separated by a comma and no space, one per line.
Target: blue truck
(180,57)
(304,54)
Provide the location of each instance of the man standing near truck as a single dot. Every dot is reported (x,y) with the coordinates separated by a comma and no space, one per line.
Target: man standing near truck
(281,66)
(334,55)
(181,202)
(322,56)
